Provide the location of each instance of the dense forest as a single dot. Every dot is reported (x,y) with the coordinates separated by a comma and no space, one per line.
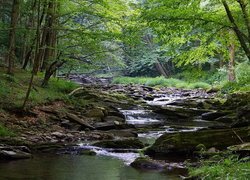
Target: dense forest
(136,66)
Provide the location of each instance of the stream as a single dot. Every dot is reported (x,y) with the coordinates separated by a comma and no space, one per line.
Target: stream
(108,164)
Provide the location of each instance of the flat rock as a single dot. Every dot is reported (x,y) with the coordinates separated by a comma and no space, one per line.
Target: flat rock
(14,152)
(131,143)
(213,115)
(186,142)
(80,121)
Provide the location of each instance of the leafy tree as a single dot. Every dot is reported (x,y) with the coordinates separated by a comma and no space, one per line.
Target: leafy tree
(197,31)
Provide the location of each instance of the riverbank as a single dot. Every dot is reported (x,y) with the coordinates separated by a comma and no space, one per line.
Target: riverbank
(119,121)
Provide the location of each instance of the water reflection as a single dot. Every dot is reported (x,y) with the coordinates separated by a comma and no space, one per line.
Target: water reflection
(68,167)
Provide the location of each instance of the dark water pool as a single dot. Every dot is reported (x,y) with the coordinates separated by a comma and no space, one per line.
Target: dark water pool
(72,167)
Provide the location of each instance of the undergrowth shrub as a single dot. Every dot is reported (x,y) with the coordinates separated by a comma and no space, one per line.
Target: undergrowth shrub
(161,82)
(5,132)
(220,167)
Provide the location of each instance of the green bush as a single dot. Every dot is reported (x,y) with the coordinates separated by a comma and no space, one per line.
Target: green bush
(242,82)
(160,81)
(62,86)
(243,73)
(5,132)
(231,168)
(196,85)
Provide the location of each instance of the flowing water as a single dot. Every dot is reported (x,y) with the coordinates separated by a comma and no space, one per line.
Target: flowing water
(107,164)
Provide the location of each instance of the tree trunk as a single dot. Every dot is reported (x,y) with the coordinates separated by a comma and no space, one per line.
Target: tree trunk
(161,69)
(231,67)
(243,6)
(12,34)
(50,71)
(36,52)
(236,29)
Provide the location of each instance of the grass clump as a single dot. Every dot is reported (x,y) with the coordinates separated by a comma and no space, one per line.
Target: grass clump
(160,82)
(13,89)
(4,132)
(231,168)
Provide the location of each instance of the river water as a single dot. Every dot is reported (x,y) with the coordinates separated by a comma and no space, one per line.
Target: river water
(73,167)
(106,165)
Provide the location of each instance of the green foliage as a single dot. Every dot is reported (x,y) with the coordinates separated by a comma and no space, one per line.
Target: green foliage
(242,82)
(243,73)
(219,167)
(12,92)
(61,86)
(196,85)
(5,132)
(161,82)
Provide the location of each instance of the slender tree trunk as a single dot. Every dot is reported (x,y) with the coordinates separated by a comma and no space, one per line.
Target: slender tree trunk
(243,5)
(161,69)
(36,52)
(236,29)
(50,71)
(29,41)
(231,65)
(12,34)
(51,42)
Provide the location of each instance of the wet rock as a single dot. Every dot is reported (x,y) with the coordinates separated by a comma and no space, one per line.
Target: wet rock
(144,163)
(47,147)
(131,143)
(116,113)
(14,152)
(58,134)
(79,121)
(123,133)
(227,118)
(185,142)
(243,117)
(113,119)
(175,112)
(87,152)
(211,116)
(242,149)
(96,112)
(105,126)
(237,100)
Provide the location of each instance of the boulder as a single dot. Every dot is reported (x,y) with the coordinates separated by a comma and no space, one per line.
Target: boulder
(243,117)
(95,112)
(144,163)
(131,143)
(186,142)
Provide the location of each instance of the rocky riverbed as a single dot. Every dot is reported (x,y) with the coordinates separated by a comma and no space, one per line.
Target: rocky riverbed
(123,121)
